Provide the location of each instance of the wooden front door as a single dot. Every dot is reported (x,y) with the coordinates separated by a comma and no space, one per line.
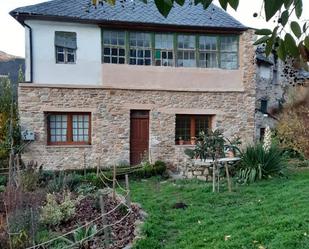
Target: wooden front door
(139,136)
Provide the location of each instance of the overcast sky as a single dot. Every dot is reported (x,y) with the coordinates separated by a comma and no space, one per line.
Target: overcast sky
(12,33)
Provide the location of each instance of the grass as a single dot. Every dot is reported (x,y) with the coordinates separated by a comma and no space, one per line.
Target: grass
(271,214)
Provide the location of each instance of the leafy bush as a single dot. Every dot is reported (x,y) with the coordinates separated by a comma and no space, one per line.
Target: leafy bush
(258,163)
(53,213)
(45,176)
(67,207)
(2,188)
(29,180)
(81,236)
(29,177)
(292,128)
(190,153)
(23,223)
(210,145)
(64,182)
(85,188)
(3,180)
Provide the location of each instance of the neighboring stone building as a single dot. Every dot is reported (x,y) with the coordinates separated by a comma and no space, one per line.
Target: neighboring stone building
(119,83)
(275,81)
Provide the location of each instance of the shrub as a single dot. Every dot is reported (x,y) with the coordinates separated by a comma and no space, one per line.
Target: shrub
(67,207)
(53,213)
(190,153)
(29,177)
(257,163)
(81,236)
(3,180)
(23,223)
(64,182)
(85,189)
(292,129)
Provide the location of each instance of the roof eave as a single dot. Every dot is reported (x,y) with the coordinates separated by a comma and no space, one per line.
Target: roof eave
(21,17)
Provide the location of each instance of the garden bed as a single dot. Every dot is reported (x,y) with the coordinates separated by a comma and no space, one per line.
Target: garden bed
(61,210)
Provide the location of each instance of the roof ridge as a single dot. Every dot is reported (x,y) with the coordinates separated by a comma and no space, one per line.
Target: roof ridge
(130,12)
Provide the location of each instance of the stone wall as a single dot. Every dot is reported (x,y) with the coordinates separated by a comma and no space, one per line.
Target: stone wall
(110,114)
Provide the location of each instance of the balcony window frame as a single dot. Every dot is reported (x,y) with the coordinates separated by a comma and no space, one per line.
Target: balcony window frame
(176,50)
(210,51)
(114,46)
(166,50)
(69,128)
(183,50)
(140,48)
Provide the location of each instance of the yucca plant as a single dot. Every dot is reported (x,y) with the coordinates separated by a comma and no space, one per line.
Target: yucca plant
(257,163)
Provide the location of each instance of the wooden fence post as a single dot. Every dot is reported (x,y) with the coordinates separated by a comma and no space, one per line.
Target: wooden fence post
(214,176)
(104,219)
(228,177)
(84,161)
(128,199)
(98,166)
(114,183)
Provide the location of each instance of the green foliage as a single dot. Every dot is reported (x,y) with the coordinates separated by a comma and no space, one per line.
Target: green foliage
(81,236)
(2,188)
(8,109)
(67,207)
(292,130)
(20,240)
(22,222)
(190,153)
(64,181)
(54,212)
(29,179)
(3,180)
(258,163)
(210,145)
(51,213)
(86,188)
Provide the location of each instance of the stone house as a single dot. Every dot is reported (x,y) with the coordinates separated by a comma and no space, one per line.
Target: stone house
(118,83)
(275,83)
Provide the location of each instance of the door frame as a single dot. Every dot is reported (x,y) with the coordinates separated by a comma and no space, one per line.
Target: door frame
(144,114)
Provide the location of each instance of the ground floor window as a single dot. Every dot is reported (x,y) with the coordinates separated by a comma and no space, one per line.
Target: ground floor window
(68,128)
(188,127)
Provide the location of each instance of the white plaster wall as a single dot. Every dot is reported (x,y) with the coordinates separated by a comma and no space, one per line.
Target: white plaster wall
(86,71)
(27,55)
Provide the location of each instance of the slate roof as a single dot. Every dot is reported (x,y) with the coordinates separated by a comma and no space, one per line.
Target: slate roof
(130,12)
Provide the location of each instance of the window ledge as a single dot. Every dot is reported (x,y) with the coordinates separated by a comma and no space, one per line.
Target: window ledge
(185,145)
(69,146)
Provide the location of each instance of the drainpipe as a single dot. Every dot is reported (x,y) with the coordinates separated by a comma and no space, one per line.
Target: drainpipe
(31,53)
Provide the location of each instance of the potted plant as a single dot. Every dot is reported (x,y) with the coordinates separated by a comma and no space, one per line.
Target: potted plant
(193,140)
(181,141)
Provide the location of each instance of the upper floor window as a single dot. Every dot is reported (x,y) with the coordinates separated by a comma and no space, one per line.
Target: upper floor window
(186,51)
(114,47)
(208,51)
(164,50)
(229,52)
(65,45)
(140,48)
(170,49)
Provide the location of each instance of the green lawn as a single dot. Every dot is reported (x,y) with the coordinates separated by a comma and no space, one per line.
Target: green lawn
(272,214)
